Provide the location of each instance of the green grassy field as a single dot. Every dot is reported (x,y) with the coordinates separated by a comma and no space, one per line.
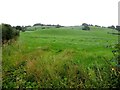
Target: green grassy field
(60,57)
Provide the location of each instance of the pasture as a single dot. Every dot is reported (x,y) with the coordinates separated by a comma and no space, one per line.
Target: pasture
(65,57)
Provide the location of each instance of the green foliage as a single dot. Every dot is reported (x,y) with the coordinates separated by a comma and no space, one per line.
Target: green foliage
(85,26)
(111,27)
(20,28)
(8,33)
(118,28)
(58,26)
(61,58)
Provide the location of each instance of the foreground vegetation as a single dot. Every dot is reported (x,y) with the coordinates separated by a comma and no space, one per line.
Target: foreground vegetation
(61,57)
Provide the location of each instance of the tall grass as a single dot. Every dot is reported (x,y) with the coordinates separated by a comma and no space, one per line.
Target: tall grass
(51,58)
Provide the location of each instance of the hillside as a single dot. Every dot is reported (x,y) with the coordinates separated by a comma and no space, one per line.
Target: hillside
(61,57)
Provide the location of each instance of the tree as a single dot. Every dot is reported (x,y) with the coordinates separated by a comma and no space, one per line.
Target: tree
(8,32)
(97,26)
(38,24)
(118,28)
(20,28)
(58,26)
(85,26)
(111,27)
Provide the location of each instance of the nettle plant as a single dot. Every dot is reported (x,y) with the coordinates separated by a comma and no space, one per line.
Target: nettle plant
(116,66)
(116,54)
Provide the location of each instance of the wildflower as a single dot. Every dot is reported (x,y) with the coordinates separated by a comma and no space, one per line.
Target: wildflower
(113,69)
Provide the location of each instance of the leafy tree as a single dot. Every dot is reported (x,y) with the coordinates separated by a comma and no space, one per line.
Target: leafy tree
(8,32)
(21,28)
(38,24)
(111,27)
(118,28)
(58,26)
(18,27)
(85,26)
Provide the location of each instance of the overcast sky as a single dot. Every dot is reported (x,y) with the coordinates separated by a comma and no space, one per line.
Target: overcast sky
(63,12)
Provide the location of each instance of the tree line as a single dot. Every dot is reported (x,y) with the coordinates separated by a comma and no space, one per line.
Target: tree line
(12,32)
(39,24)
(86,26)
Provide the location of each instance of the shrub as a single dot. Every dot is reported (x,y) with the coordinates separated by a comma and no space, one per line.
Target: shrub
(43,27)
(118,28)
(85,26)
(111,27)
(8,33)
(58,26)
(20,28)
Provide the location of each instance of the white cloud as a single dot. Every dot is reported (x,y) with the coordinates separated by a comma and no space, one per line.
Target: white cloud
(65,12)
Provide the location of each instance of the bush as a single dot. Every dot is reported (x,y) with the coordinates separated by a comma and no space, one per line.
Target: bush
(111,27)
(43,27)
(58,26)
(118,28)
(8,33)
(20,28)
(85,26)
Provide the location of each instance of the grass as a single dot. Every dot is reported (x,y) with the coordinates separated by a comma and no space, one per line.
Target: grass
(60,57)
